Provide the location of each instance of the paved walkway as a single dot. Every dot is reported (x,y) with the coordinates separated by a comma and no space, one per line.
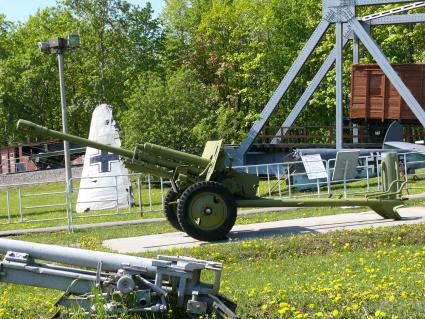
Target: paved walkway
(285,227)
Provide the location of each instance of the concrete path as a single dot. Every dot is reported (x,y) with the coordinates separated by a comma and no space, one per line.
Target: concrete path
(285,227)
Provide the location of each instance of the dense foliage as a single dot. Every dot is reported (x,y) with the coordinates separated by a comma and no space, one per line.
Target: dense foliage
(204,69)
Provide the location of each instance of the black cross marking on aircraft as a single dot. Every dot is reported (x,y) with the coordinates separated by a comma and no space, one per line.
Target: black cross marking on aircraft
(104,160)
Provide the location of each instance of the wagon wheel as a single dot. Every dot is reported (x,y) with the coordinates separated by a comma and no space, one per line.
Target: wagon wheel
(170,211)
(207,211)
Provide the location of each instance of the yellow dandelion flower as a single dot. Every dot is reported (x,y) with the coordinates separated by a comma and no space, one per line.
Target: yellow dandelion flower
(282,311)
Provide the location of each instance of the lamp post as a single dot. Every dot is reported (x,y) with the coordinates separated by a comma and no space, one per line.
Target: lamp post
(59,46)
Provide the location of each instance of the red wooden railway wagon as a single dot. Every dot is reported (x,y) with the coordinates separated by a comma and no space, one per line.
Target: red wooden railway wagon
(373,97)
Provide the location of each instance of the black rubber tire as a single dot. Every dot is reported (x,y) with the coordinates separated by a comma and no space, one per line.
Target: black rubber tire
(170,211)
(191,228)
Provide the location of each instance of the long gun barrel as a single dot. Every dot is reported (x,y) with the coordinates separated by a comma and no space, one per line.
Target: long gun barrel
(147,158)
(143,284)
(41,130)
(77,257)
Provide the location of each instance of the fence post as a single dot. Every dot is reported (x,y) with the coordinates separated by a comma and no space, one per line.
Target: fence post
(150,192)
(345,179)
(130,191)
(68,202)
(289,183)
(8,204)
(367,173)
(406,172)
(259,183)
(378,173)
(328,177)
(20,205)
(139,191)
(116,194)
(278,181)
(268,180)
(162,190)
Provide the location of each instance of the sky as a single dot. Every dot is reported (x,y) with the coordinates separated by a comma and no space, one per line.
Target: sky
(20,10)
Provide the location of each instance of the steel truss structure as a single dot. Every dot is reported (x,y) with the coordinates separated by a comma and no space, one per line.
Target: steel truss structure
(348,27)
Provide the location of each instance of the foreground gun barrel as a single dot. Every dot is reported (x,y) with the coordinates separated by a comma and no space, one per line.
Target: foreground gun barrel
(78,257)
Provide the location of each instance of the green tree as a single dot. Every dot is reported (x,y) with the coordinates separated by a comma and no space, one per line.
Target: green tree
(5,29)
(170,112)
(28,77)
(119,42)
(242,48)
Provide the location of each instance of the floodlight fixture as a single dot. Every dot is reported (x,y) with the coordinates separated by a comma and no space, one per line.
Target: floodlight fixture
(73,41)
(44,47)
(57,43)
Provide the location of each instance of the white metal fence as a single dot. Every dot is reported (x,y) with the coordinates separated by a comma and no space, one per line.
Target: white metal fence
(49,203)
(289,179)
(147,197)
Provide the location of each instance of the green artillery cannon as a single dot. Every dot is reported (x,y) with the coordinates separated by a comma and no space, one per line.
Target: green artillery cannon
(205,194)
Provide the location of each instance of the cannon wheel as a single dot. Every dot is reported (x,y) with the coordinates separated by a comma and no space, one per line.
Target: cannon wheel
(207,211)
(170,211)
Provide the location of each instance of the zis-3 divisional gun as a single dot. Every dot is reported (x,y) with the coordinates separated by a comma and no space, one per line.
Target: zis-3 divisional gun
(205,193)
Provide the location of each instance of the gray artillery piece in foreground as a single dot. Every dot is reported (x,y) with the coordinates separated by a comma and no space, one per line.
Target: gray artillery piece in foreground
(125,284)
(205,193)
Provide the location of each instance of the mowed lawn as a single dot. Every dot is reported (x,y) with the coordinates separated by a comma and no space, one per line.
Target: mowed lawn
(374,273)
(151,200)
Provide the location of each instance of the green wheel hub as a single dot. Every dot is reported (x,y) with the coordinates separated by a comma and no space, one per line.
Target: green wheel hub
(208,211)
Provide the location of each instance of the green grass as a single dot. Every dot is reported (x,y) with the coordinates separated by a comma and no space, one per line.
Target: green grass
(30,216)
(36,217)
(359,274)
(372,273)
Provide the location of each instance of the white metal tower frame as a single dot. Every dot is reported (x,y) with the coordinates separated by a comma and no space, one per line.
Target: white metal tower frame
(342,13)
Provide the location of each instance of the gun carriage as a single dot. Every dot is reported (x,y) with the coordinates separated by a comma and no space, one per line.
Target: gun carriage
(117,283)
(205,194)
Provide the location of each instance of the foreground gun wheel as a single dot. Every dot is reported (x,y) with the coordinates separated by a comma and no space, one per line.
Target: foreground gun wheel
(207,211)
(170,211)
